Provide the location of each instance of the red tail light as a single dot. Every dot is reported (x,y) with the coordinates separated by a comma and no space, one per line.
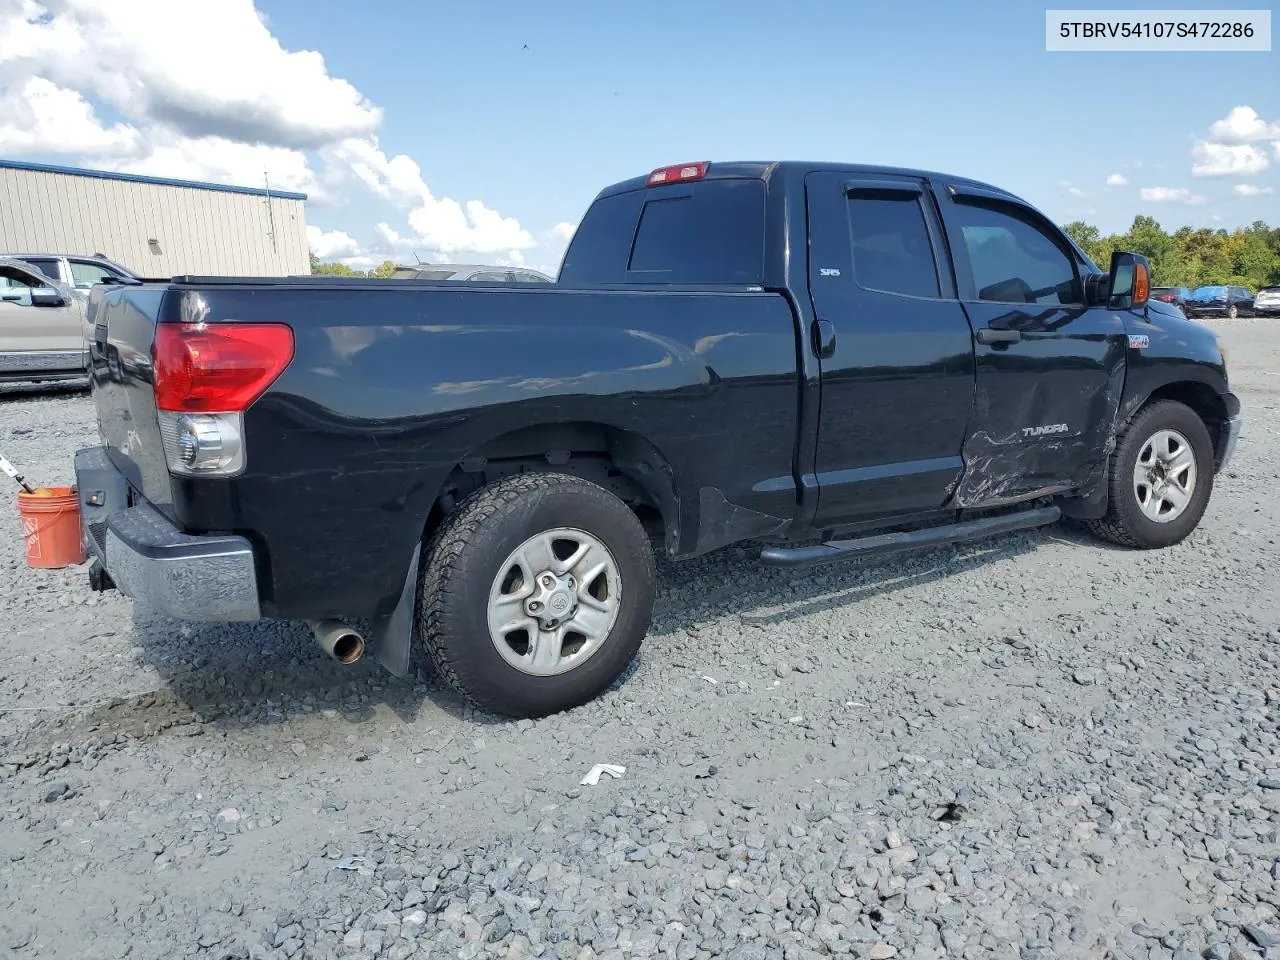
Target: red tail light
(217,368)
(678,172)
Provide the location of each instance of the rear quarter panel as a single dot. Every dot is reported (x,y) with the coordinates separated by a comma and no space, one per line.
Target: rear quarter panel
(390,389)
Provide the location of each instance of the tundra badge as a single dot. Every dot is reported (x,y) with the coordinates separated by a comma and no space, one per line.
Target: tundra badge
(1046,429)
(1139,341)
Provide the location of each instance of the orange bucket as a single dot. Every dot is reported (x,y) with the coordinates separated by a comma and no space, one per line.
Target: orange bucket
(49,521)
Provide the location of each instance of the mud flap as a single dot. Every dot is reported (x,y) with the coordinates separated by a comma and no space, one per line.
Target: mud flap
(392,634)
(721,522)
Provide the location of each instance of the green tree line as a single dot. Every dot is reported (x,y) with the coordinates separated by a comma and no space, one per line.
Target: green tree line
(335,269)
(1247,256)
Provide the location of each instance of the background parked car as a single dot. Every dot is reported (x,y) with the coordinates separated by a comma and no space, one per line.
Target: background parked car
(42,326)
(75,270)
(1219,300)
(1178,296)
(470,271)
(1267,302)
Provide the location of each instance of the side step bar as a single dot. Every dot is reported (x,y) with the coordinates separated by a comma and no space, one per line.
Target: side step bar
(886,543)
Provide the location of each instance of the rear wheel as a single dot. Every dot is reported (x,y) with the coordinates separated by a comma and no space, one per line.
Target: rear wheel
(536,594)
(1232,312)
(1161,476)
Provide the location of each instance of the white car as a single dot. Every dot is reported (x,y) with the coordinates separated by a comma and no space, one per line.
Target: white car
(75,270)
(1267,302)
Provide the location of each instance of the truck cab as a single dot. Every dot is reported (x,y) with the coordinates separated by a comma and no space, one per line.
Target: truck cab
(957,350)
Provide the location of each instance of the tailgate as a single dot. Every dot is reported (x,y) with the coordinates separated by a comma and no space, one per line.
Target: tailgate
(124,323)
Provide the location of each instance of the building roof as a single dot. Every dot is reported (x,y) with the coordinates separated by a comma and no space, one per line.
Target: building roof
(139,178)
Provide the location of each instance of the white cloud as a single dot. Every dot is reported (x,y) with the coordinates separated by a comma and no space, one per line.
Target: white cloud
(1225,159)
(207,92)
(328,244)
(564,231)
(205,72)
(1243,125)
(1170,195)
(359,261)
(438,223)
(219,160)
(1250,190)
(41,117)
(1076,192)
(1117,180)
(1230,150)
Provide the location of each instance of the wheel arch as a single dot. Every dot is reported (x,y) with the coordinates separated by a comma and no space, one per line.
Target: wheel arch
(1207,403)
(622,461)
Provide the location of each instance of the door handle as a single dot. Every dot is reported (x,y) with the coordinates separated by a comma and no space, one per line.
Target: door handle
(823,334)
(996,335)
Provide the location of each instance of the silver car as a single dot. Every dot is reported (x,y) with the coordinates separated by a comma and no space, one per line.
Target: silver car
(479,272)
(42,326)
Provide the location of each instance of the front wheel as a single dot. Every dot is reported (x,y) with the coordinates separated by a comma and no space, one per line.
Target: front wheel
(1161,475)
(536,594)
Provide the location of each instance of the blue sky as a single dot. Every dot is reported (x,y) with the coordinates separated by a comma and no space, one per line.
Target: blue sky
(426,127)
(606,91)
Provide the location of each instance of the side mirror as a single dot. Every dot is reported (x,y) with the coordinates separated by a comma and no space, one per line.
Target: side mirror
(46,297)
(1129,281)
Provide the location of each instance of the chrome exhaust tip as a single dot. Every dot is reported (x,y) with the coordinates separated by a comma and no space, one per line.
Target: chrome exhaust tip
(338,640)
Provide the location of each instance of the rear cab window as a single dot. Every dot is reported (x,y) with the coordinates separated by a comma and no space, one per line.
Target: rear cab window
(711,231)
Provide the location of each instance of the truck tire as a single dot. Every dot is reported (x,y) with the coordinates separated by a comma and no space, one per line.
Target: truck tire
(1161,476)
(536,594)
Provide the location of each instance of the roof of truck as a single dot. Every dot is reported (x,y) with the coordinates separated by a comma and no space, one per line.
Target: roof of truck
(761,169)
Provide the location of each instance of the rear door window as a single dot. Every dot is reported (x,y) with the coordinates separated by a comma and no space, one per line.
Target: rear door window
(891,248)
(85,274)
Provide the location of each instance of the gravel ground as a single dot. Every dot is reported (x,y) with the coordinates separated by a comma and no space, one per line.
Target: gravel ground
(1035,747)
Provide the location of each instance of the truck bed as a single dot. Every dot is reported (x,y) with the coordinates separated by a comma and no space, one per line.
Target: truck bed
(394,383)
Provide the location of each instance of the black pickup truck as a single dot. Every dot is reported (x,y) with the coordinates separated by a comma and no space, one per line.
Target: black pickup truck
(832,360)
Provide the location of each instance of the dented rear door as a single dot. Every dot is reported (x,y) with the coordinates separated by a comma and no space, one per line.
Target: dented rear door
(1050,370)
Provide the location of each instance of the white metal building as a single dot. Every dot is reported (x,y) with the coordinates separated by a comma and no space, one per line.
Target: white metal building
(154,226)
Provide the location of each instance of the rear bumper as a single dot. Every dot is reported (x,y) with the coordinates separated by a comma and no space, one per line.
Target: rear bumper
(1267,310)
(1212,310)
(185,576)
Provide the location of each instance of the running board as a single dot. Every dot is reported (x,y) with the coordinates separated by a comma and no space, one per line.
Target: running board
(885,543)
